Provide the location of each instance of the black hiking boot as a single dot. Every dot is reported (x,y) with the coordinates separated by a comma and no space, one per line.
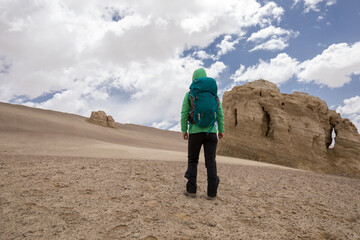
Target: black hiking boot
(210,198)
(191,195)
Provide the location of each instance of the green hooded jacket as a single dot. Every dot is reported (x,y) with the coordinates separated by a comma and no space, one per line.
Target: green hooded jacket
(186,107)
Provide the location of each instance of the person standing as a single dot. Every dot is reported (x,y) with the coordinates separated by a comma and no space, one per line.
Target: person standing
(199,135)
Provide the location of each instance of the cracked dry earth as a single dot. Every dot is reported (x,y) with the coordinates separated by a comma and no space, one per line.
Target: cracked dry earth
(90,198)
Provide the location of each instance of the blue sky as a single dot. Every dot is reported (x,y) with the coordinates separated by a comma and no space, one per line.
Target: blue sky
(134,59)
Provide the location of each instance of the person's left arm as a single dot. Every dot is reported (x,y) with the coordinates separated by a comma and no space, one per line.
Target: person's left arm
(220,121)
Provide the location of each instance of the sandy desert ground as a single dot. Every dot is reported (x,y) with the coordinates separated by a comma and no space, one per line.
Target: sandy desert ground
(62,177)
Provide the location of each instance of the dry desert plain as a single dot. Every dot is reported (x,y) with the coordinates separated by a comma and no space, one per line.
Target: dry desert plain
(65,178)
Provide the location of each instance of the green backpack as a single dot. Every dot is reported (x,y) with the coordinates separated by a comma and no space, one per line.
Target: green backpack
(204,107)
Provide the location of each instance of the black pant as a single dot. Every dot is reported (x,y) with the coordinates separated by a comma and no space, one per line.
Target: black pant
(209,141)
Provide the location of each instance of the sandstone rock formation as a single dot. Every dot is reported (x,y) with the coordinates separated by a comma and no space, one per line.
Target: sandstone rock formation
(111,121)
(102,119)
(294,130)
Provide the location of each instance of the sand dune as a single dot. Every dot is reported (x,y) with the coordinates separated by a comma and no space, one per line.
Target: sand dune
(43,125)
(65,178)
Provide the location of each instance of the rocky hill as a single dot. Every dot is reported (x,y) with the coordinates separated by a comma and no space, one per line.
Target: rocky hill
(293,130)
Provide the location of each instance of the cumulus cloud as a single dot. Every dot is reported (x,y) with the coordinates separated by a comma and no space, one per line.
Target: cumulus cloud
(272,45)
(269,32)
(334,67)
(351,106)
(215,69)
(66,101)
(84,54)
(351,110)
(204,55)
(271,38)
(226,45)
(313,5)
(278,70)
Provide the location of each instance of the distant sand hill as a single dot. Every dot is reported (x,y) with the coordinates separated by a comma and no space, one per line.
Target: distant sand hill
(27,130)
(62,177)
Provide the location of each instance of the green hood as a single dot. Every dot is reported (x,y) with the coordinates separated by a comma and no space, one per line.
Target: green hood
(199,73)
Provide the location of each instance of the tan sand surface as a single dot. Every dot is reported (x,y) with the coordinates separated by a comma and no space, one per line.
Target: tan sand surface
(62,177)
(51,197)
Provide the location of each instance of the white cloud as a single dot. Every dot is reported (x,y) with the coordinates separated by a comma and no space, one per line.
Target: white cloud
(330,2)
(351,110)
(278,70)
(313,5)
(279,38)
(163,125)
(351,106)
(66,101)
(333,67)
(215,69)
(272,45)
(268,32)
(204,55)
(262,14)
(226,45)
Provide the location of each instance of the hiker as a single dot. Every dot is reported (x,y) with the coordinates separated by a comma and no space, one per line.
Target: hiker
(203,126)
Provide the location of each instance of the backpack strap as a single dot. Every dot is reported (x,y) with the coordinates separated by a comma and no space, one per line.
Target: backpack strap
(210,129)
(192,108)
(215,117)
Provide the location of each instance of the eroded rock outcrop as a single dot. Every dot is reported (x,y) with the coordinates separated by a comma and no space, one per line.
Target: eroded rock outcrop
(111,121)
(293,130)
(102,119)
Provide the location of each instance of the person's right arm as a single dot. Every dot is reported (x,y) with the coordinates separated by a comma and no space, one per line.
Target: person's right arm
(185,115)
